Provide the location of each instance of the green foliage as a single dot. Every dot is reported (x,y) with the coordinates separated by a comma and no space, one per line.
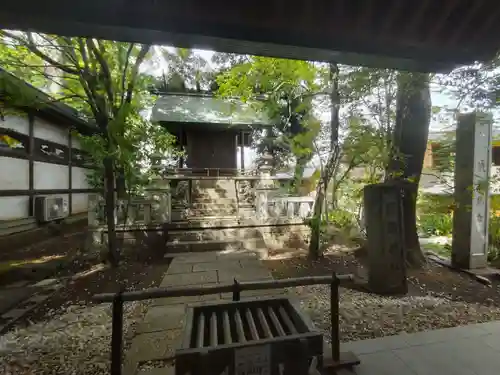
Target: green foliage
(436,224)
(435,204)
(102,80)
(341,219)
(284,89)
(443,154)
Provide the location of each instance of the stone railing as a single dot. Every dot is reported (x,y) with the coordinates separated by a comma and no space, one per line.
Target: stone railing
(290,207)
(210,172)
(151,209)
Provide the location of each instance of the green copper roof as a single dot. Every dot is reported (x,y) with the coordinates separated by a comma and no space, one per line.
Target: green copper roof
(184,108)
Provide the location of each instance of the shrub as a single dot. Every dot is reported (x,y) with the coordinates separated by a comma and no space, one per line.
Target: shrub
(341,219)
(428,204)
(436,224)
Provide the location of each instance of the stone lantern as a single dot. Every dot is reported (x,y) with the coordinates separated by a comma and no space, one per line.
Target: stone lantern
(156,162)
(264,186)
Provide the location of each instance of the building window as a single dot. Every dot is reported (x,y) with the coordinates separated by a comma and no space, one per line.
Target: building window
(13,142)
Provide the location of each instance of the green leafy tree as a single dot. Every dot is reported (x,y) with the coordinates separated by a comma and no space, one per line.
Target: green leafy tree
(285,89)
(102,80)
(187,71)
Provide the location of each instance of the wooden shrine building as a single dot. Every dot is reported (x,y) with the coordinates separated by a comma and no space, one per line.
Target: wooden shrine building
(209,129)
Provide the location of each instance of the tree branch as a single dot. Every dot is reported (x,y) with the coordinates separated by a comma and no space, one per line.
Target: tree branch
(30,45)
(105,69)
(124,74)
(84,77)
(135,70)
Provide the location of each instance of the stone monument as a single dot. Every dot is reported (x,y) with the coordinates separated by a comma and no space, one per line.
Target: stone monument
(472,174)
(385,239)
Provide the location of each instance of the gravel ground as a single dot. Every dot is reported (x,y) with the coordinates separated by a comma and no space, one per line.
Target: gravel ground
(364,316)
(73,340)
(437,298)
(69,334)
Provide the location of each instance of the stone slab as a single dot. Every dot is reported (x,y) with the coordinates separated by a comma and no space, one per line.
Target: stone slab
(38,298)
(9,298)
(17,284)
(177,268)
(14,313)
(219,265)
(163,318)
(193,278)
(246,274)
(168,370)
(251,263)
(46,282)
(195,258)
(153,346)
(238,255)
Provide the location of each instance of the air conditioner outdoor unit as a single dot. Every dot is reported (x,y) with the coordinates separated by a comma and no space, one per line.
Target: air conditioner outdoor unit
(51,208)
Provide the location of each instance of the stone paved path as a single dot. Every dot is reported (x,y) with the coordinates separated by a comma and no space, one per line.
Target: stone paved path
(158,335)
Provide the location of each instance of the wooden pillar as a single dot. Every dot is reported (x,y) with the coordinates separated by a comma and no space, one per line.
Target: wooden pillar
(70,173)
(31,163)
(180,144)
(242,151)
(472,174)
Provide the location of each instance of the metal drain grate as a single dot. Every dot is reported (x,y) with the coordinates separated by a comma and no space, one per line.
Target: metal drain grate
(244,324)
(215,334)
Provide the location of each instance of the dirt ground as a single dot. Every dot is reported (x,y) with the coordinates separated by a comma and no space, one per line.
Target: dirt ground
(435,280)
(82,276)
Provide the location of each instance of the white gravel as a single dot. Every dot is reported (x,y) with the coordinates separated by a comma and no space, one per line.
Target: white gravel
(73,341)
(364,315)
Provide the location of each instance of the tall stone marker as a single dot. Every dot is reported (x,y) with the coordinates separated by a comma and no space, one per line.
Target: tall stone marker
(385,245)
(472,174)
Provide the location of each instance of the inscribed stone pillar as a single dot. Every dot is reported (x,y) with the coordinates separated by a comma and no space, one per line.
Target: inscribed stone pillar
(385,239)
(472,174)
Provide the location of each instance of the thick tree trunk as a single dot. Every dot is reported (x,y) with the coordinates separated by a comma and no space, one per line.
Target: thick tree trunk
(413,112)
(109,182)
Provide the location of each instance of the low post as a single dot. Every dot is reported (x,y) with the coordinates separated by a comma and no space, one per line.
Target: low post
(236,290)
(117,334)
(335,359)
(334,317)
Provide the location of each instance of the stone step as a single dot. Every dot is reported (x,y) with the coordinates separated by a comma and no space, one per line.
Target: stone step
(204,222)
(186,214)
(202,246)
(211,205)
(210,200)
(204,235)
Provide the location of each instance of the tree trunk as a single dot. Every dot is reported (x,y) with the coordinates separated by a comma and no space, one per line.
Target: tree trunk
(335,122)
(413,113)
(327,172)
(109,181)
(314,245)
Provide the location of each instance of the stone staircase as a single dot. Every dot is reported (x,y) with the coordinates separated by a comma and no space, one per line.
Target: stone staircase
(214,206)
(222,217)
